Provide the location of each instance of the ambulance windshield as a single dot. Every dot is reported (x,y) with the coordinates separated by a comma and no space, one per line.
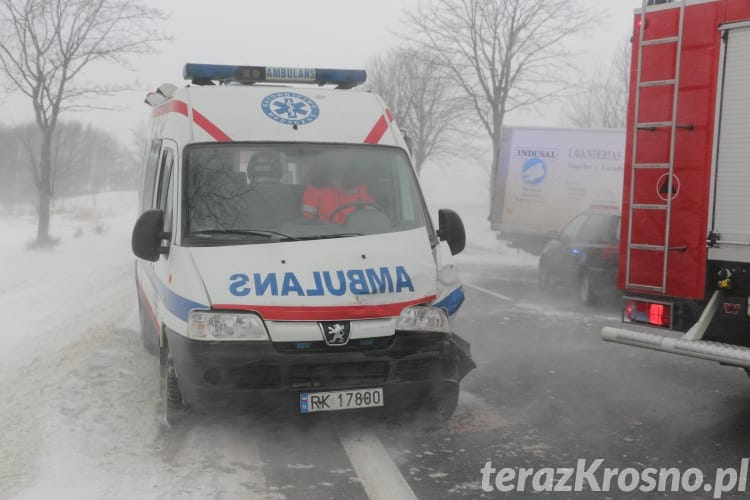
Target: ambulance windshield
(240,193)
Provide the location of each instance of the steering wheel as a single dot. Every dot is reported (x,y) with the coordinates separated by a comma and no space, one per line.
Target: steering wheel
(358,206)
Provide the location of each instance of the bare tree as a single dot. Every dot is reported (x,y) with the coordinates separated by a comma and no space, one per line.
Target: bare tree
(503,54)
(45,46)
(423,99)
(603,102)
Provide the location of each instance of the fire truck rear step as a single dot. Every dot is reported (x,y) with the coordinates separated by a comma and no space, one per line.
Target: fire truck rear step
(713,351)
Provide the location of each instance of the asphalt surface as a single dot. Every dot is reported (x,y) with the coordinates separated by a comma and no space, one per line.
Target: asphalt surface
(547,392)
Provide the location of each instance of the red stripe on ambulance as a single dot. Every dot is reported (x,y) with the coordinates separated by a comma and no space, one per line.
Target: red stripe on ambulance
(378,131)
(323,313)
(210,128)
(181,107)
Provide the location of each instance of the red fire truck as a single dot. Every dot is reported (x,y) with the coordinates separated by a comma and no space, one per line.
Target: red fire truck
(685,240)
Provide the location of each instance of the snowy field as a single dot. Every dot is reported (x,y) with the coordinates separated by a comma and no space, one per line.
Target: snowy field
(56,303)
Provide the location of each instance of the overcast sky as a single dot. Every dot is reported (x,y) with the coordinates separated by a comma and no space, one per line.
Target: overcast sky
(332,33)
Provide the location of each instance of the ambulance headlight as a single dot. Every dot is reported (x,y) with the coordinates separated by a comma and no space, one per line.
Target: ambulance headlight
(204,325)
(423,319)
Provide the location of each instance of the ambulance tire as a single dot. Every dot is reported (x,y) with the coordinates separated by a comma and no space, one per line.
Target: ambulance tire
(148,335)
(440,405)
(586,290)
(170,394)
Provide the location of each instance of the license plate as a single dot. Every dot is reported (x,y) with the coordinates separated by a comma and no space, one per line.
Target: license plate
(310,402)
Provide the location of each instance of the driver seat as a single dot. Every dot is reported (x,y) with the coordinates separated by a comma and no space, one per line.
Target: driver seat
(268,201)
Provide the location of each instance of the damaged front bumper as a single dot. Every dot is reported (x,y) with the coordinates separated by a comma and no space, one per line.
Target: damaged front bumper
(402,364)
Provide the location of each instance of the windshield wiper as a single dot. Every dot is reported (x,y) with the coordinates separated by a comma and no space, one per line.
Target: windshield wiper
(246,232)
(329,236)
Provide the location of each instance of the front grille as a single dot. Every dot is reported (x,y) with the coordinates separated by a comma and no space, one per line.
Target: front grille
(255,377)
(354,345)
(337,374)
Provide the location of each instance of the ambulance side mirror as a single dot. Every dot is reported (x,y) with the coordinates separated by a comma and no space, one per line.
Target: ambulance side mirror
(451,229)
(147,235)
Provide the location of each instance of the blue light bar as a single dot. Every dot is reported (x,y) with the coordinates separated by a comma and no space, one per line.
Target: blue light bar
(208,73)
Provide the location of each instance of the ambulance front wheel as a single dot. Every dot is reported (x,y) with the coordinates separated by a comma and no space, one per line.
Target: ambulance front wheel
(171,395)
(442,403)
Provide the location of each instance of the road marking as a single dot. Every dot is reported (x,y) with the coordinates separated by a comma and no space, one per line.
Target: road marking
(489,292)
(380,477)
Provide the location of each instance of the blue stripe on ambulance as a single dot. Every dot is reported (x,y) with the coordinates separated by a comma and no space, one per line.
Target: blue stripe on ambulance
(175,303)
(452,302)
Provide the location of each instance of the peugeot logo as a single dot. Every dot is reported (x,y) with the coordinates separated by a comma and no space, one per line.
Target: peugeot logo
(336,333)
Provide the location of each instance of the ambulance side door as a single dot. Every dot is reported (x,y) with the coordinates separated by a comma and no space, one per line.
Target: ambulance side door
(164,201)
(144,269)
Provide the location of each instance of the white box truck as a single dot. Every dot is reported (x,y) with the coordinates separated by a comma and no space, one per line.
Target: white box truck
(545,176)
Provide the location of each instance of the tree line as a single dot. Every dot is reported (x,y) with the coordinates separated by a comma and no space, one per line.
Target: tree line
(463,65)
(46,46)
(85,160)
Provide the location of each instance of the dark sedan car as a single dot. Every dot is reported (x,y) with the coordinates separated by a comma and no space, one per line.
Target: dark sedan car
(584,255)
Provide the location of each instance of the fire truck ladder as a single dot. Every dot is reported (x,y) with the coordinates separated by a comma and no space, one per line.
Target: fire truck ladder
(653,126)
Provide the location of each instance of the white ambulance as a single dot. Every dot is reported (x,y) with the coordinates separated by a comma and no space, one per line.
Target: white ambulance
(285,252)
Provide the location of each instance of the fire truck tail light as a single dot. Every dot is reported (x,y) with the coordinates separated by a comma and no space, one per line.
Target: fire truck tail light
(650,313)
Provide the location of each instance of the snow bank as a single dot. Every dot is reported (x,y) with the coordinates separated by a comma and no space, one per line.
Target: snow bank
(42,289)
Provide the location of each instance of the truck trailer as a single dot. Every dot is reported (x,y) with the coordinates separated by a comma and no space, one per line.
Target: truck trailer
(545,176)
(685,238)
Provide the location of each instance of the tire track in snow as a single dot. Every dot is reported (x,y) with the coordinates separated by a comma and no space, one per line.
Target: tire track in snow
(216,457)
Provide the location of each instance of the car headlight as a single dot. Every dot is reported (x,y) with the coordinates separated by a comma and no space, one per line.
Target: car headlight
(204,325)
(423,319)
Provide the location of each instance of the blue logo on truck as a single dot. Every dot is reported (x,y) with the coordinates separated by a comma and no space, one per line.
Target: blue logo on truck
(290,108)
(534,171)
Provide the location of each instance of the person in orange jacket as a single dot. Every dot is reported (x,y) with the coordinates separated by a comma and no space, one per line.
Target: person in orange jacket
(322,198)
